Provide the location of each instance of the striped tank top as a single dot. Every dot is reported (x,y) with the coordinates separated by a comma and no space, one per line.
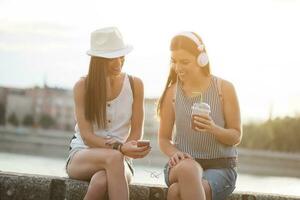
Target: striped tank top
(200,145)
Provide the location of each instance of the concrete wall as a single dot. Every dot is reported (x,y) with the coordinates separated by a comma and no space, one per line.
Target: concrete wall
(16,186)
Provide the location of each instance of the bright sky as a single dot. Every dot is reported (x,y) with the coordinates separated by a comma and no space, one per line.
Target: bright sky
(253,44)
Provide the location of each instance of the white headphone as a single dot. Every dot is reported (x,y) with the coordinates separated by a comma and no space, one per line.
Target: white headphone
(202,58)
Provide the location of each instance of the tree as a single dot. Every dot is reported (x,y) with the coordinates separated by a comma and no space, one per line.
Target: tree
(28,120)
(2,114)
(279,134)
(46,121)
(13,120)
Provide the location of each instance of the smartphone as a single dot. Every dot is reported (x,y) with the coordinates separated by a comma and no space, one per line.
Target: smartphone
(142,143)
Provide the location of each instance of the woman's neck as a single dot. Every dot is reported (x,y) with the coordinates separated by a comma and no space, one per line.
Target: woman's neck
(112,80)
(196,84)
(114,86)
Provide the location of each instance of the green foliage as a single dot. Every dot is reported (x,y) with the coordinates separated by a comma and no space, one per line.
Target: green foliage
(280,134)
(13,120)
(28,120)
(46,121)
(2,114)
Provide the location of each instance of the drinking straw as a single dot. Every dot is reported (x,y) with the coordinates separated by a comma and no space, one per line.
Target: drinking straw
(201,99)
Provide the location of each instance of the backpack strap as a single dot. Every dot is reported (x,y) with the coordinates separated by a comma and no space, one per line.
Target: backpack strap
(131,84)
(174,95)
(219,86)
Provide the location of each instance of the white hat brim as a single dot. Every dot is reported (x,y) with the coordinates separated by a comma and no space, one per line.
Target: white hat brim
(111,54)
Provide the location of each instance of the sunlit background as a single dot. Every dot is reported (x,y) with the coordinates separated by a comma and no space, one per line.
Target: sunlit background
(254,44)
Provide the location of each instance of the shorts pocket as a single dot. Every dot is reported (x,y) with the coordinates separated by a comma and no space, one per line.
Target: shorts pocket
(225,192)
(227,184)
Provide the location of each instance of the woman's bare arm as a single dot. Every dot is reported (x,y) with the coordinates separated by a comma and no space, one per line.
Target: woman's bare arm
(137,118)
(85,127)
(167,120)
(232,133)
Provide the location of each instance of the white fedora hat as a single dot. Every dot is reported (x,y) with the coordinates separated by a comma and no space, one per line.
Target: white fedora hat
(108,43)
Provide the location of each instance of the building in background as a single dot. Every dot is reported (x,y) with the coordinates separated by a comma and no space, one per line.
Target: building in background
(5,94)
(18,107)
(151,122)
(55,103)
(49,107)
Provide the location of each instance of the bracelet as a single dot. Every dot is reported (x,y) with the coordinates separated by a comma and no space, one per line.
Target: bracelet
(120,148)
(117,146)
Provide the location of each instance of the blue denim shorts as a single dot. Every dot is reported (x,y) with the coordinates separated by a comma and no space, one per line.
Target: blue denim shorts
(222,181)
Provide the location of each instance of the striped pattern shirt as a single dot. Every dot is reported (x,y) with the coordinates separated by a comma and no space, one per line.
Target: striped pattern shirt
(200,145)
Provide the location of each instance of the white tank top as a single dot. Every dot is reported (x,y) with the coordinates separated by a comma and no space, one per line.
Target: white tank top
(118,115)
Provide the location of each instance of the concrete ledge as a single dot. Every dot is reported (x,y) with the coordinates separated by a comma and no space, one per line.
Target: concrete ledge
(17,186)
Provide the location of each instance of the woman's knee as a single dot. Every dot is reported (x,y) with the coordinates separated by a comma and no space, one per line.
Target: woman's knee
(207,189)
(114,158)
(173,192)
(188,166)
(99,180)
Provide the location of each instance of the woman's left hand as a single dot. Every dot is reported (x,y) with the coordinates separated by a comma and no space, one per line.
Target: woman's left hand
(109,141)
(204,123)
(130,149)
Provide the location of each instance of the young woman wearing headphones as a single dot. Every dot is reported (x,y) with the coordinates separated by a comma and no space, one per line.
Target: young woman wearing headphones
(202,151)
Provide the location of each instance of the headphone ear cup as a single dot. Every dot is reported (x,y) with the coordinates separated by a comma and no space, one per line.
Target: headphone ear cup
(202,59)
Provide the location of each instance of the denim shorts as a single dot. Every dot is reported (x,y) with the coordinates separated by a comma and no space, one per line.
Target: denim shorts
(71,154)
(222,181)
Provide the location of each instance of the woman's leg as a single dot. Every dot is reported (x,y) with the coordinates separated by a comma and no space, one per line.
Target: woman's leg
(98,186)
(173,192)
(87,162)
(188,175)
(207,189)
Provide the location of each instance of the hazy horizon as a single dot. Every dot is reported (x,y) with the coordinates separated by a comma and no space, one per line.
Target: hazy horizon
(253,44)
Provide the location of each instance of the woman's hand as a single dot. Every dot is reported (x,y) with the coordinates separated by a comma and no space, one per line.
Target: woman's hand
(130,149)
(204,123)
(109,141)
(177,157)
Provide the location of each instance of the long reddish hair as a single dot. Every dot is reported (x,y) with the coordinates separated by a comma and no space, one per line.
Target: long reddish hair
(180,42)
(95,92)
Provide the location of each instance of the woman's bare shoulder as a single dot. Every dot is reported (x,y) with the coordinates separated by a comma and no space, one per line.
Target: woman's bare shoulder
(227,86)
(79,86)
(170,92)
(137,81)
(228,90)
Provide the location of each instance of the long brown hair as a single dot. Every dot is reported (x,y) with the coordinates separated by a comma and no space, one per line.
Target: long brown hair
(95,95)
(180,42)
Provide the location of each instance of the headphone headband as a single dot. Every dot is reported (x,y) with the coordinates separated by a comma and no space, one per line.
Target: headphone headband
(193,37)
(202,58)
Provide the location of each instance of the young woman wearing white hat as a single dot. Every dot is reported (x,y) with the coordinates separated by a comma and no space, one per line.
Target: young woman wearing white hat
(202,152)
(109,114)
